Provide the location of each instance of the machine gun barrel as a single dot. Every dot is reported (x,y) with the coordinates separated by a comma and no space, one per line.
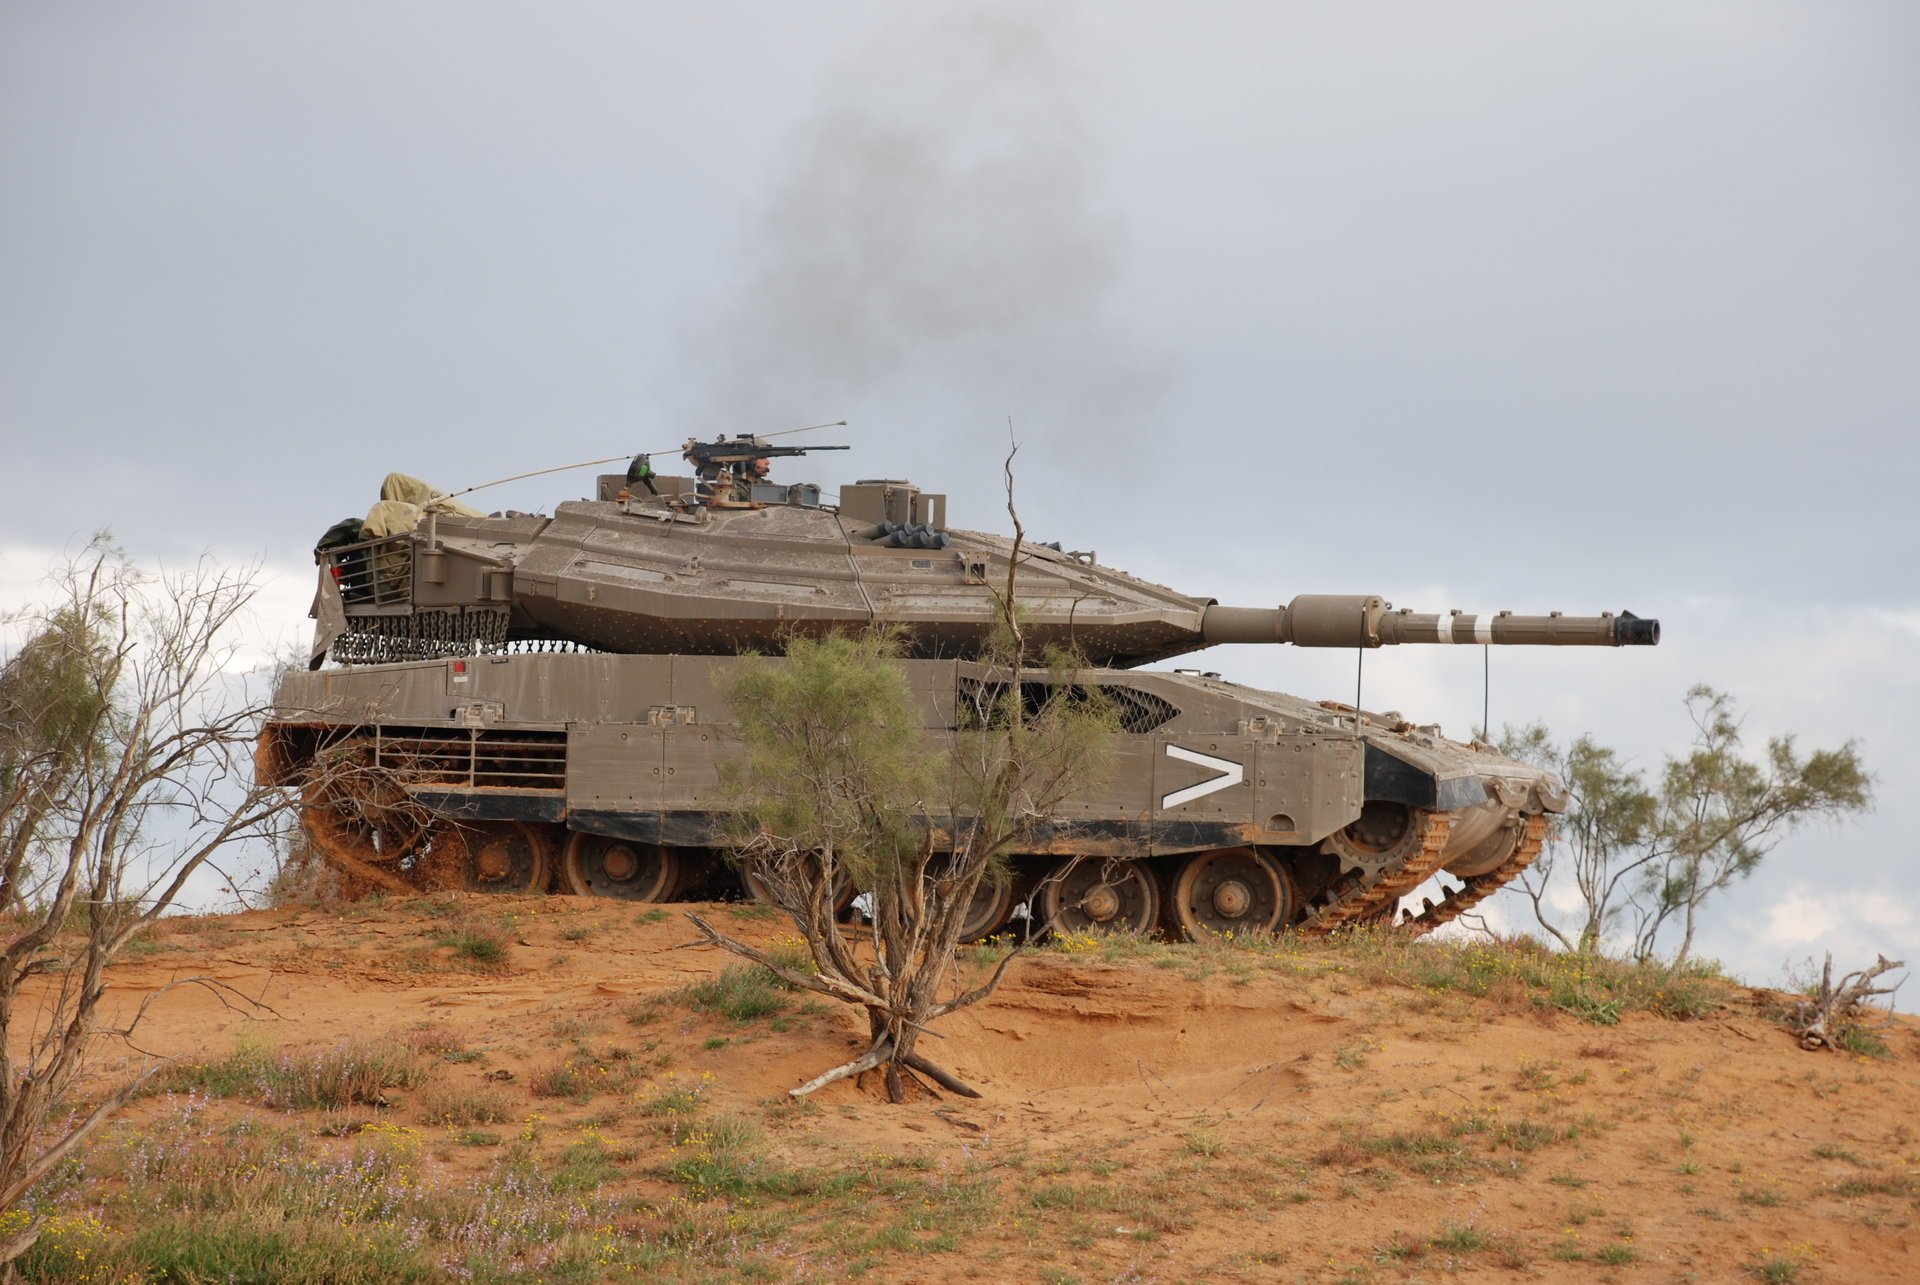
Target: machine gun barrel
(1364,620)
(740,450)
(782,452)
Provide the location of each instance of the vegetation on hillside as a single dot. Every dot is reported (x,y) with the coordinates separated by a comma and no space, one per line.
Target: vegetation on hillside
(593,1147)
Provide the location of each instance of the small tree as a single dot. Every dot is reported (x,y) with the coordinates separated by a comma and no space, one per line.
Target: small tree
(835,787)
(1657,854)
(124,767)
(1722,813)
(51,724)
(1602,839)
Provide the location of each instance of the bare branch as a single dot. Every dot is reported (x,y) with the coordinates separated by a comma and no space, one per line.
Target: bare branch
(880,1052)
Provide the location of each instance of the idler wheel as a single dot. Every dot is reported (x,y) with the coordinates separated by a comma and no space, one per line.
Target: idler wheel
(598,865)
(1232,890)
(1465,860)
(488,856)
(1101,893)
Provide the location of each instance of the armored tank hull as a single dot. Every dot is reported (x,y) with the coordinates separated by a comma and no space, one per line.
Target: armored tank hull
(529,702)
(1227,808)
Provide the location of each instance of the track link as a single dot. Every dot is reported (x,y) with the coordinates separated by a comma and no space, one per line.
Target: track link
(1478,888)
(1369,899)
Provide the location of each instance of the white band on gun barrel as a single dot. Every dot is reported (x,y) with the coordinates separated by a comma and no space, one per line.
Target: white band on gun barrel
(1449,628)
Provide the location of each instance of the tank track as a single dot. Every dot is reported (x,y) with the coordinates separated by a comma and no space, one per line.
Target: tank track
(1368,900)
(1477,888)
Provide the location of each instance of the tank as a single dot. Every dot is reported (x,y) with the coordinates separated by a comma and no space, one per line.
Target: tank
(535,702)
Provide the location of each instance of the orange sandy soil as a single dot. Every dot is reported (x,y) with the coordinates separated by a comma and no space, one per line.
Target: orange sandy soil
(1151,1119)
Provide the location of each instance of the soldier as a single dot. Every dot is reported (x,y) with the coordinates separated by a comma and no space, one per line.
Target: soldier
(755,470)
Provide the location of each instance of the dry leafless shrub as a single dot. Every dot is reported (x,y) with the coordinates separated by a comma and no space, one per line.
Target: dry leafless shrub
(126,755)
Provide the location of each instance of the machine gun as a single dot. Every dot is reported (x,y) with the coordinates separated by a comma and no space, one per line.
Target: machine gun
(723,461)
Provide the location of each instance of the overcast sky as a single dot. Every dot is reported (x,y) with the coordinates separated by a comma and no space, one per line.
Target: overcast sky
(1474,305)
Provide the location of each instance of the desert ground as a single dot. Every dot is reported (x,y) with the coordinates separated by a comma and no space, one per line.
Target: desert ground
(556,1089)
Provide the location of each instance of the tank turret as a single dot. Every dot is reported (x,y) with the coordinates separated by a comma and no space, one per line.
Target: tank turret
(727,561)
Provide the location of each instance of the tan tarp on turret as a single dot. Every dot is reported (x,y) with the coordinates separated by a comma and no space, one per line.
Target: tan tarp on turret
(403,500)
(399,486)
(390,517)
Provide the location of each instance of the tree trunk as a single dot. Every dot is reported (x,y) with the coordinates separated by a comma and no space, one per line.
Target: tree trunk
(1693,904)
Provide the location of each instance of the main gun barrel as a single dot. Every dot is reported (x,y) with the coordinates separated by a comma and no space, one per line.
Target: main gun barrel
(1365,620)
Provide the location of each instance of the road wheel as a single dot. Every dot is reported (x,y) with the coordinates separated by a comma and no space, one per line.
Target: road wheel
(487,856)
(1101,893)
(1232,890)
(991,905)
(843,889)
(599,865)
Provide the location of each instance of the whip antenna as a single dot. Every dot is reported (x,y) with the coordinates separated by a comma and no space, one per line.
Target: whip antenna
(811,428)
(539,472)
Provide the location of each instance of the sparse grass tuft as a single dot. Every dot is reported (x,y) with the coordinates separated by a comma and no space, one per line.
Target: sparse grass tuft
(721,1157)
(586,1074)
(677,1098)
(1861,1042)
(1205,1142)
(355,1072)
(741,993)
(439,1041)
(1881,1182)
(1776,1268)
(483,947)
(1462,1240)
(448,1103)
